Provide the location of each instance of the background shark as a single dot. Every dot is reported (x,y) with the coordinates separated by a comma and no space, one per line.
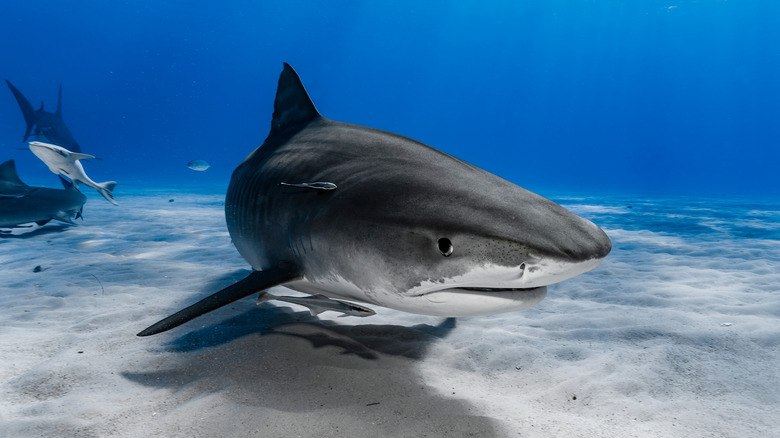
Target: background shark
(21,204)
(49,127)
(350,212)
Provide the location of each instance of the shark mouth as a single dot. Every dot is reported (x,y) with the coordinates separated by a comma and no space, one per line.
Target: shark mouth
(476,301)
(508,279)
(491,289)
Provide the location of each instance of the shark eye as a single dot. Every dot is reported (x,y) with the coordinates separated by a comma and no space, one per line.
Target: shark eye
(445,247)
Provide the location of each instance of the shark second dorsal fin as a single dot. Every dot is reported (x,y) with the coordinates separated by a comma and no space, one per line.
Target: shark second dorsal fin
(8,173)
(59,103)
(293,108)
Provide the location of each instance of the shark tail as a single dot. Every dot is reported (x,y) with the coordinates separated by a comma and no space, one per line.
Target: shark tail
(107,190)
(27,109)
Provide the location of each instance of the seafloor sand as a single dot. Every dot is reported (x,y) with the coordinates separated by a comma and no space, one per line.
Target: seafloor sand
(676,334)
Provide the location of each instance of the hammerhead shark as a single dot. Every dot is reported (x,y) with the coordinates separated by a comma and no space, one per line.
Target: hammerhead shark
(49,127)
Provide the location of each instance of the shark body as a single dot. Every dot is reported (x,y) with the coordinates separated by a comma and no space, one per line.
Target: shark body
(21,204)
(44,125)
(354,213)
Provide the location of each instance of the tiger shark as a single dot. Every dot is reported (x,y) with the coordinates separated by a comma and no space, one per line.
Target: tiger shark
(22,204)
(48,126)
(346,212)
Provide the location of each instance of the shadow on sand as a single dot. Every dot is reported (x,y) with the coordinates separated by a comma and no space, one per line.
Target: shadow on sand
(365,340)
(25,233)
(265,366)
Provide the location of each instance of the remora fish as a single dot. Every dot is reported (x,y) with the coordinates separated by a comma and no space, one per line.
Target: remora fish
(48,126)
(64,162)
(319,303)
(21,204)
(408,227)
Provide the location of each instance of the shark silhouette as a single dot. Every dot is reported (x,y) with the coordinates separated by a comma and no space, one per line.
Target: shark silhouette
(22,204)
(49,127)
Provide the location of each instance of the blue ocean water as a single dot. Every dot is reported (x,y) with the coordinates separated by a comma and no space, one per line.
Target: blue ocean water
(655,119)
(658,97)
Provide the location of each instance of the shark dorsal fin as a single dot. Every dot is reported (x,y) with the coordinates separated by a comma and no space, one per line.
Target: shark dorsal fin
(8,173)
(59,103)
(292,108)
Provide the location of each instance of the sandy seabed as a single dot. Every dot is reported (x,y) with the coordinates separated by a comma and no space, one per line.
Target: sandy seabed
(675,334)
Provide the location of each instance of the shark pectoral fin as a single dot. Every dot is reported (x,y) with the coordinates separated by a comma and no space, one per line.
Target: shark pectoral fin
(320,185)
(63,216)
(80,156)
(256,281)
(69,185)
(43,222)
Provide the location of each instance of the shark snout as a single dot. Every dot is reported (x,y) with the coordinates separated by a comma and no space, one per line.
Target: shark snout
(550,271)
(580,247)
(592,242)
(579,240)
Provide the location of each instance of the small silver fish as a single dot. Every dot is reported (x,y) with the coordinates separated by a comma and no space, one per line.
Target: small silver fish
(320,303)
(199,165)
